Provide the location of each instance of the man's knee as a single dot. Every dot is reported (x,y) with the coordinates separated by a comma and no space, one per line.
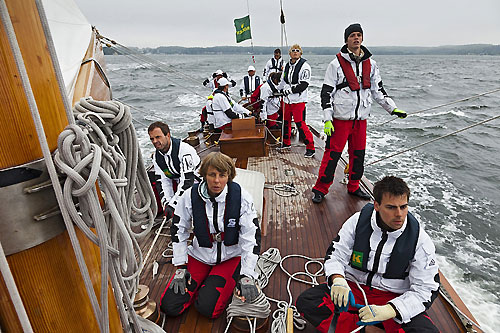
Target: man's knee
(173,304)
(208,301)
(421,323)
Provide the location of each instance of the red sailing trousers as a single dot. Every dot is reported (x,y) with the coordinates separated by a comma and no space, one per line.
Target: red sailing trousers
(210,290)
(271,120)
(354,132)
(297,111)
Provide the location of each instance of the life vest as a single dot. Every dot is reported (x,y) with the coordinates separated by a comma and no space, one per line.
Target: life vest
(402,253)
(296,71)
(246,81)
(218,91)
(231,216)
(352,80)
(160,160)
(276,64)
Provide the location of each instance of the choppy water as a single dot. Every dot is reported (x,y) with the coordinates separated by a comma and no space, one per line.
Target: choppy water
(454,181)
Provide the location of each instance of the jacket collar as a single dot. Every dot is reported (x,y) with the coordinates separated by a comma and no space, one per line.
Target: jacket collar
(395,233)
(203,192)
(345,53)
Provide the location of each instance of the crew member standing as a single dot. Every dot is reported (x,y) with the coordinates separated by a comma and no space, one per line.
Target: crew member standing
(213,82)
(273,65)
(296,78)
(351,80)
(271,102)
(249,83)
(175,162)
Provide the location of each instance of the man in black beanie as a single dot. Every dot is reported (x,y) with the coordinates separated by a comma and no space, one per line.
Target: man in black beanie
(352,79)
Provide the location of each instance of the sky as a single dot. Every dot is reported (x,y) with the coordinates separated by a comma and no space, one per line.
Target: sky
(152,23)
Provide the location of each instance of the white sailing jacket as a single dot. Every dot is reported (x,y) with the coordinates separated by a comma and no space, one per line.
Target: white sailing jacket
(272,66)
(189,163)
(345,104)
(221,103)
(416,290)
(270,104)
(299,94)
(248,244)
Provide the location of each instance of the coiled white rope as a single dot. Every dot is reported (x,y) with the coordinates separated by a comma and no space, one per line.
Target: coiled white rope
(283,190)
(102,149)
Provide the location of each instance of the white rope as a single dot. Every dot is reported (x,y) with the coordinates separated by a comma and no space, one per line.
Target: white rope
(103,149)
(50,164)
(283,190)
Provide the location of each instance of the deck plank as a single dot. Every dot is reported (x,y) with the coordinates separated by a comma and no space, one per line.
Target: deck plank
(294,225)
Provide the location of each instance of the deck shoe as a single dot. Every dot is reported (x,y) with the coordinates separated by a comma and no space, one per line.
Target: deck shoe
(285,146)
(309,153)
(360,194)
(317,197)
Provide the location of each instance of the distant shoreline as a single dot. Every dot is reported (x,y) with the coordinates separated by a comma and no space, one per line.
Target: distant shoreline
(470,49)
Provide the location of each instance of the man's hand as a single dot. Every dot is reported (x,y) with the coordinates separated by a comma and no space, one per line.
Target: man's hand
(287,92)
(247,289)
(168,212)
(341,293)
(180,281)
(374,314)
(233,83)
(400,113)
(206,82)
(328,128)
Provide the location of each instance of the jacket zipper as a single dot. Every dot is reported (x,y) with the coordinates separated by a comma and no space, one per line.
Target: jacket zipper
(216,227)
(357,94)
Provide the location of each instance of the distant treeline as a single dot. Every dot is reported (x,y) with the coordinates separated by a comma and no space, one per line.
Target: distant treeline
(471,49)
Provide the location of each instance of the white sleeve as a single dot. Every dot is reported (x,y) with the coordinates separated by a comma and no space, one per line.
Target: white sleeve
(340,250)
(181,224)
(378,92)
(189,162)
(249,236)
(242,86)
(166,184)
(424,285)
(264,96)
(331,80)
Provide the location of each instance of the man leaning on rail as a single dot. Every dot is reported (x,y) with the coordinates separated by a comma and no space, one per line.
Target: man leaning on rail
(384,253)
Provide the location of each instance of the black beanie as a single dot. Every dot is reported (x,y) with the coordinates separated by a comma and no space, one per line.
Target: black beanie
(355,27)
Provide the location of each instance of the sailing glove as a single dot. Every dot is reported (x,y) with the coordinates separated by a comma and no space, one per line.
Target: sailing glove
(374,314)
(287,92)
(233,83)
(180,281)
(247,288)
(400,113)
(341,294)
(206,82)
(328,128)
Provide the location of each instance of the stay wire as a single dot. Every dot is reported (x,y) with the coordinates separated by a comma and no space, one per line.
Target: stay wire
(435,139)
(441,105)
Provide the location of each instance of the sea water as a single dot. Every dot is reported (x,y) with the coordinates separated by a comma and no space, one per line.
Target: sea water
(454,181)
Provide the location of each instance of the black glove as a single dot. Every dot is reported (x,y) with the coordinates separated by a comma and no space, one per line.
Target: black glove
(233,83)
(247,288)
(224,74)
(180,281)
(168,212)
(206,82)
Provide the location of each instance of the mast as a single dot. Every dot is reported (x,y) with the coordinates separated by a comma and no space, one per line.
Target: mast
(39,253)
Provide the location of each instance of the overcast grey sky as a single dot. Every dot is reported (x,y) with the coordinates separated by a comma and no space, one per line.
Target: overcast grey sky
(308,22)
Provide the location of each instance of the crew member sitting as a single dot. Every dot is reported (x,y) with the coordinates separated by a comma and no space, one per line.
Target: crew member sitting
(175,162)
(386,251)
(225,246)
(249,83)
(224,108)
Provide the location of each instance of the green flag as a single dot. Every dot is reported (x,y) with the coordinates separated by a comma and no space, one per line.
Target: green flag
(242,26)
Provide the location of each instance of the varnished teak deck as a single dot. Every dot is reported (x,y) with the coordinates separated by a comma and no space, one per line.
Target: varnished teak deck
(294,225)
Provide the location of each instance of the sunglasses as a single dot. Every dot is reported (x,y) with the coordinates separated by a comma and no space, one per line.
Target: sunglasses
(295,50)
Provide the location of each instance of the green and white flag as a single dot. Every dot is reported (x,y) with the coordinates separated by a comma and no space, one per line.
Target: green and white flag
(242,26)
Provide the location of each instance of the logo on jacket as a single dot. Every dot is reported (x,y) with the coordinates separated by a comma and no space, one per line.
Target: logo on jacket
(231,223)
(357,259)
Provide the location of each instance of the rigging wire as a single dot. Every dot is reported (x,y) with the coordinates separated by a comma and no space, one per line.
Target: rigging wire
(435,139)
(251,38)
(441,105)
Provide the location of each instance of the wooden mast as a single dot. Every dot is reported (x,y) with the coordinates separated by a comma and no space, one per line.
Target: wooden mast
(47,275)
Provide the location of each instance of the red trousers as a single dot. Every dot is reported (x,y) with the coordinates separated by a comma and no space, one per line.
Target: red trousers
(210,290)
(271,120)
(297,111)
(317,307)
(354,132)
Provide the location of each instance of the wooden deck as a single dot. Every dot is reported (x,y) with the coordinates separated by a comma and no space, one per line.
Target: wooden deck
(294,225)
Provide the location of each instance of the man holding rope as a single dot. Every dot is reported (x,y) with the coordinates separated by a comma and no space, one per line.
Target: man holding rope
(382,259)
(351,80)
